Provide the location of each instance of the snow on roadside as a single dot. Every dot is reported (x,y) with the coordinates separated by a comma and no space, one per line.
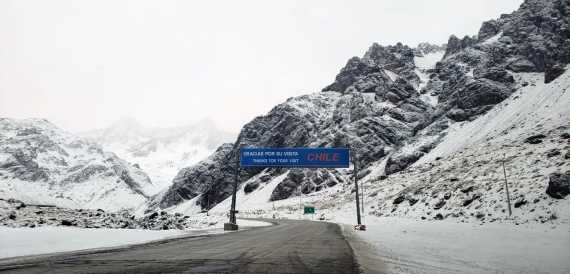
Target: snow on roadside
(410,246)
(32,241)
(252,223)
(254,200)
(24,241)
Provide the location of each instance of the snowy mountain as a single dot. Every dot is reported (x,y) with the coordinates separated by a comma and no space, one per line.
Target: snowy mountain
(160,152)
(429,126)
(42,164)
(373,121)
(462,178)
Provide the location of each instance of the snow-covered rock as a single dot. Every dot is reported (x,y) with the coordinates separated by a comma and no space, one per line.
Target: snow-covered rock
(42,164)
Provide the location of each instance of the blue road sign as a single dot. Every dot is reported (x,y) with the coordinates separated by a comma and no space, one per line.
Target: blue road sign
(295,157)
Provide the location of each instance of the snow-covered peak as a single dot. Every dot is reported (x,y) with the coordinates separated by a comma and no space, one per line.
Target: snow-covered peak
(428,48)
(161,152)
(40,163)
(122,131)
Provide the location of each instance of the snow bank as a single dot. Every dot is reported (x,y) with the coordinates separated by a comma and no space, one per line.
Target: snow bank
(252,223)
(409,246)
(33,241)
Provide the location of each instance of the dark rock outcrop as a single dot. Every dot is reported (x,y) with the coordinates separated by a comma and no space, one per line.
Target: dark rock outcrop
(399,163)
(455,44)
(488,29)
(558,185)
(535,139)
(250,187)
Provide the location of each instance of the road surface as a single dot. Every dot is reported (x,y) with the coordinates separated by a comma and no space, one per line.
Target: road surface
(287,247)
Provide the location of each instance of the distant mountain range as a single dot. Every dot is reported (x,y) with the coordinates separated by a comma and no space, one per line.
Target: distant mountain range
(160,152)
(116,168)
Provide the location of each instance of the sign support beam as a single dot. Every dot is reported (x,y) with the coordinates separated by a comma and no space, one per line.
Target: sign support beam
(232,224)
(355,174)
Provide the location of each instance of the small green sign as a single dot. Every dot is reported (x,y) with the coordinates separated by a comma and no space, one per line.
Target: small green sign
(309,210)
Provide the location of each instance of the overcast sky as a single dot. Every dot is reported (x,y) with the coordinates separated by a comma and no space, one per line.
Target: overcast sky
(86,64)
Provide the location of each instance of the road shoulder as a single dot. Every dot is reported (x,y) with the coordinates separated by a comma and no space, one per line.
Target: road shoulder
(365,254)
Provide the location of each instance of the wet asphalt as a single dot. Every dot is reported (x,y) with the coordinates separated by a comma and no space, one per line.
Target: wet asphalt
(289,246)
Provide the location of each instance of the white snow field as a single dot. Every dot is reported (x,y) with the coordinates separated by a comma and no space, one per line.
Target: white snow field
(409,246)
(32,241)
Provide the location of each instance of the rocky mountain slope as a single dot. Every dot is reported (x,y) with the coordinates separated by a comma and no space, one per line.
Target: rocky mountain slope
(395,105)
(376,111)
(160,152)
(42,164)
(462,178)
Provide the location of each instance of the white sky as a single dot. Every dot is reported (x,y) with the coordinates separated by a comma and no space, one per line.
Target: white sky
(86,64)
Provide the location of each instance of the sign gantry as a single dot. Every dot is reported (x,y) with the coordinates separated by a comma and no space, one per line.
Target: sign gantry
(254,157)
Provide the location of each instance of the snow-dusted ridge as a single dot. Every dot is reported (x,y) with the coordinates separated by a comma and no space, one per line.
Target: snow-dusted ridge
(42,164)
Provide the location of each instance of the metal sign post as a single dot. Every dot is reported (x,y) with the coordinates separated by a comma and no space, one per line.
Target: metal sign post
(355,174)
(507,187)
(232,224)
(359,226)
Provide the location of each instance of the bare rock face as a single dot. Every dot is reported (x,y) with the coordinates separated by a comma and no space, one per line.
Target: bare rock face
(398,163)
(371,73)
(533,38)
(474,73)
(455,44)
(355,74)
(558,185)
(488,29)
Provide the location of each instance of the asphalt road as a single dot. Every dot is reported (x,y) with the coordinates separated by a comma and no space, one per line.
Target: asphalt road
(287,247)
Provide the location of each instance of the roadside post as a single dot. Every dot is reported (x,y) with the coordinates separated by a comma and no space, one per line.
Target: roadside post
(232,224)
(359,225)
(507,186)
